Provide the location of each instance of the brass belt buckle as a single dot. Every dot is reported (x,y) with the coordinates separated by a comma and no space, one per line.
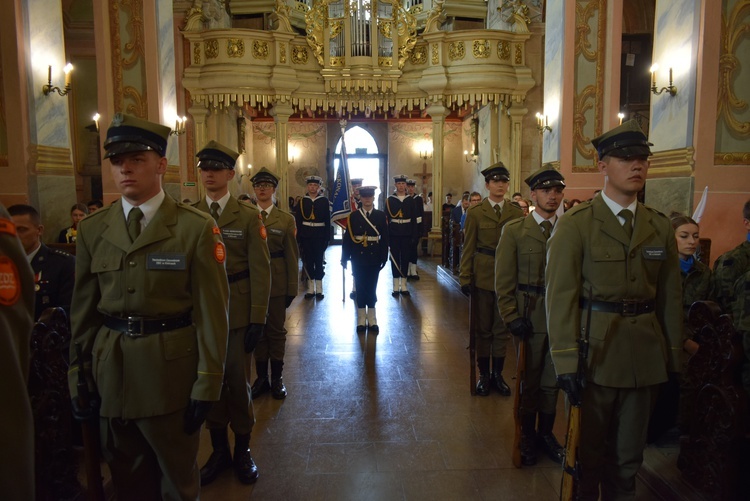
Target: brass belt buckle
(135,327)
(629,307)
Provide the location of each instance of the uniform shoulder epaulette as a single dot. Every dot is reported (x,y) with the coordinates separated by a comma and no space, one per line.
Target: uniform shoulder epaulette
(99,213)
(582,207)
(473,207)
(656,211)
(61,253)
(192,210)
(247,205)
(515,222)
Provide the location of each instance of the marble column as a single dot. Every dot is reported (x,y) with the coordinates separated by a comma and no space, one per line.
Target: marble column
(516,116)
(438,113)
(199,114)
(281,113)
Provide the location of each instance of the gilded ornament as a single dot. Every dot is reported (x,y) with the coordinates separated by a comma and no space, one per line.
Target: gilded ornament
(415,9)
(738,158)
(336,28)
(734,32)
(196,53)
(419,56)
(481,49)
(519,53)
(338,61)
(385,61)
(299,54)
(211,48)
(503,49)
(384,27)
(235,47)
(260,49)
(435,54)
(406,27)
(456,51)
(282,53)
(316,20)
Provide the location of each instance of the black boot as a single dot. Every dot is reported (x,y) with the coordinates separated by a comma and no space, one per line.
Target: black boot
(546,439)
(261,385)
(483,385)
(496,378)
(244,466)
(220,458)
(278,390)
(528,439)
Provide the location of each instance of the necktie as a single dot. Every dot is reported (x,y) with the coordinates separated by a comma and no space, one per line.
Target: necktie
(628,225)
(215,210)
(367,214)
(498,210)
(264,214)
(134,223)
(546,229)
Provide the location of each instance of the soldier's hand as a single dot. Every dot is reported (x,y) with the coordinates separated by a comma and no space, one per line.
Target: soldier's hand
(289,300)
(87,413)
(252,336)
(521,327)
(195,414)
(572,387)
(466,290)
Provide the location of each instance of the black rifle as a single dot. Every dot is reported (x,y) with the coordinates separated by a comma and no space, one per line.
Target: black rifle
(90,434)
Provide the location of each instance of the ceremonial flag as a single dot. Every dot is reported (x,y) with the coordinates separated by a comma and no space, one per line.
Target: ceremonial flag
(698,214)
(341,202)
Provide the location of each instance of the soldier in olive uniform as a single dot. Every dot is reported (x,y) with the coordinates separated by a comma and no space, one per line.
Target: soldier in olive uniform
(519,283)
(16,322)
(411,186)
(483,225)
(313,229)
(150,313)
(402,228)
(731,265)
(365,243)
(249,277)
(618,258)
(54,270)
(282,245)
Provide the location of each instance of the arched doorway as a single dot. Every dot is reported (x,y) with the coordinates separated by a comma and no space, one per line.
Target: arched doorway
(364,160)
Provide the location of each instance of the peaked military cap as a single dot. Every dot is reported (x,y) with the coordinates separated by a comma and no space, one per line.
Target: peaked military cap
(496,172)
(624,141)
(314,179)
(411,182)
(265,176)
(127,134)
(357,181)
(399,178)
(216,156)
(367,191)
(546,177)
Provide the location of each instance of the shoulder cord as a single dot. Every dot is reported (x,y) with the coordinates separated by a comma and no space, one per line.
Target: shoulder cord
(397,215)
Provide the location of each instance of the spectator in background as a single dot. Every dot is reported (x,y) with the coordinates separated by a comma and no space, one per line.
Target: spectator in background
(448,205)
(459,211)
(428,203)
(94,205)
(68,235)
(517,196)
(523,204)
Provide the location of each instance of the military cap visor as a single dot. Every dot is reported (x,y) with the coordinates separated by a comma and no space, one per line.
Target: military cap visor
(367,191)
(314,179)
(127,134)
(216,156)
(546,177)
(399,179)
(496,172)
(264,176)
(624,141)
(357,181)
(411,182)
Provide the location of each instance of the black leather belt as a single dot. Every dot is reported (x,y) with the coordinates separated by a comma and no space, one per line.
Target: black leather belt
(537,290)
(277,254)
(489,252)
(140,326)
(626,307)
(234,277)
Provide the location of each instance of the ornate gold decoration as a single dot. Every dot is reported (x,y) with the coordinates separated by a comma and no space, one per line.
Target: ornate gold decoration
(299,54)
(211,48)
(734,30)
(50,159)
(235,47)
(481,49)
(735,158)
(415,9)
(435,18)
(134,49)
(419,56)
(672,163)
(584,12)
(196,53)
(406,27)
(503,49)
(519,54)
(384,27)
(385,61)
(435,54)
(337,61)
(316,20)
(336,27)
(456,50)
(282,53)
(260,49)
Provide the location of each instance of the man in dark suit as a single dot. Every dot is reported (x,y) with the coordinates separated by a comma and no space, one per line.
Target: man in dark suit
(616,258)
(54,270)
(150,309)
(249,276)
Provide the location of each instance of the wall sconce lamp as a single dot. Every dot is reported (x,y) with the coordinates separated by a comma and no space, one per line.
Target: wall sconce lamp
(621,115)
(542,123)
(670,88)
(425,154)
(292,158)
(96,118)
(47,88)
(470,157)
(179,126)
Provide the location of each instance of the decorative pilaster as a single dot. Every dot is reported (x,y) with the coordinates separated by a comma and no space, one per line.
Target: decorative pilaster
(516,116)
(281,114)
(438,113)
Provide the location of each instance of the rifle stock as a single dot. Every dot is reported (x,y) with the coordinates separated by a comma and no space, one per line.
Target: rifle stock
(473,340)
(520,378)
(570,463)
(90,435)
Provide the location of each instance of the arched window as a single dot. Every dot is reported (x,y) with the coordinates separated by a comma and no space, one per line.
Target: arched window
(359,142)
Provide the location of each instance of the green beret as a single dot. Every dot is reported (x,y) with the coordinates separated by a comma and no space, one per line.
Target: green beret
(127,134)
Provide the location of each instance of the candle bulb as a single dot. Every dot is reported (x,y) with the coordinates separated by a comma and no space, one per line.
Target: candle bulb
(653,75)
(68,70)
(670,77)
(96,118)
(49,74)
(546,121)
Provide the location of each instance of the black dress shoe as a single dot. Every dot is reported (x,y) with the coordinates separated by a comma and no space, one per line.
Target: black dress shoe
(549,444)
(319,295)
(405,293)
(374,329)
(394,293)
(361,328)
(218,461)
(483,385)
(500,385)
(244,466)
(528,449)
(260,386)
(352,295)
(278,390)
(415,277)
(309,295)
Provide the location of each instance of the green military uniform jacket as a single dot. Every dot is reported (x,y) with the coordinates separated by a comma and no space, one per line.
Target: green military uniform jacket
(245,237)
(16,322)
(590,250)
(176,266)
(728,268)
(520,259)
(282,244)
(482,230)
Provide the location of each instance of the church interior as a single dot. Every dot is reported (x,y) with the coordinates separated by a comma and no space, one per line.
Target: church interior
(437,90)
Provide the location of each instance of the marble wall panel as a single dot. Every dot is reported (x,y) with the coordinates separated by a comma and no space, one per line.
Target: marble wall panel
(553,77)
